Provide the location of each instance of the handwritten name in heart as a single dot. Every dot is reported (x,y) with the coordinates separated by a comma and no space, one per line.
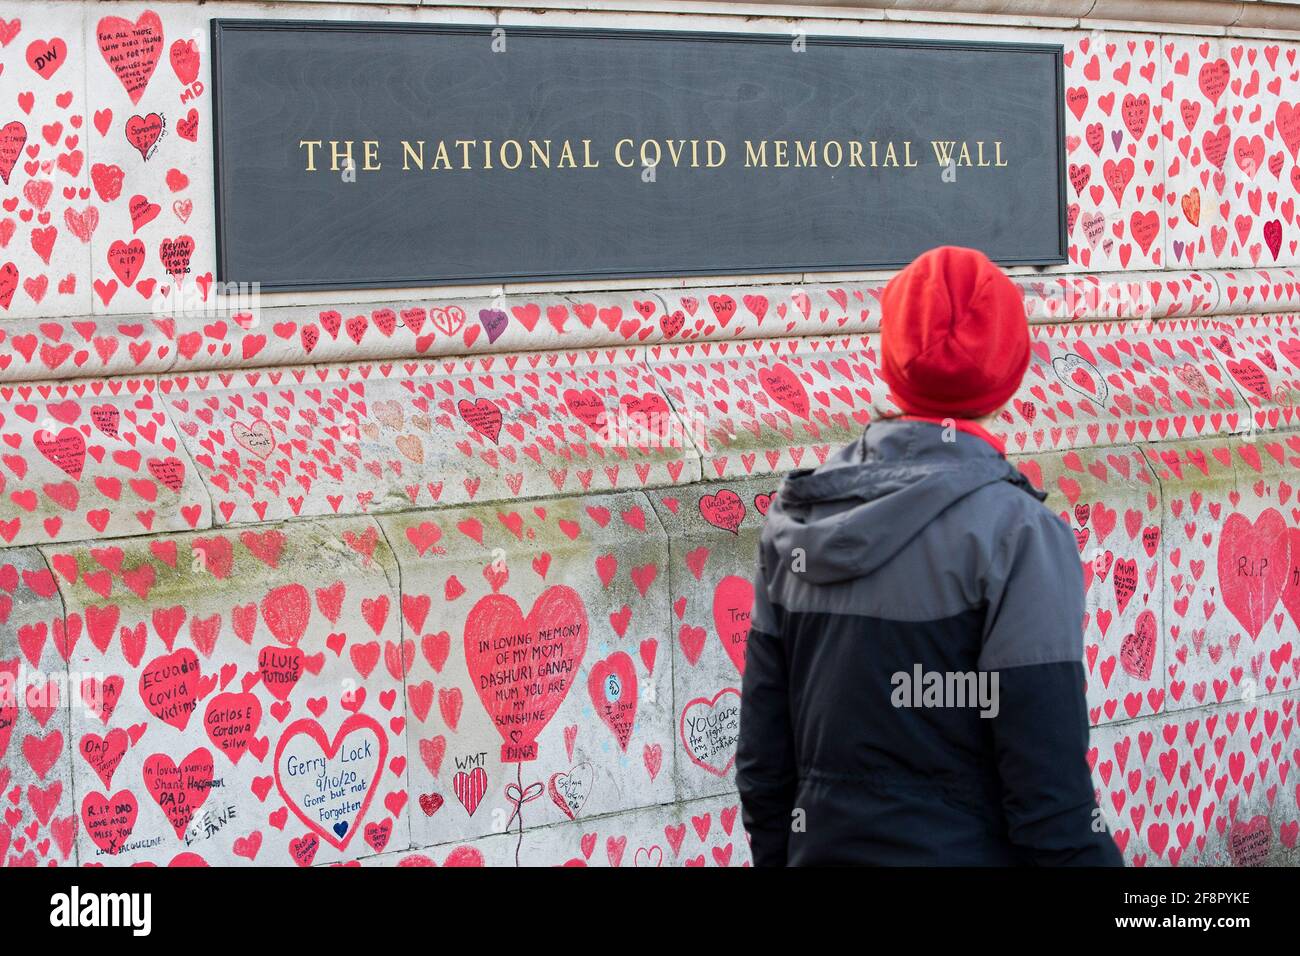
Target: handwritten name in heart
(329,784)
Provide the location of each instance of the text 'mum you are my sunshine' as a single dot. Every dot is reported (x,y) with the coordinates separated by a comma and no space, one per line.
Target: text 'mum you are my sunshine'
(368,155)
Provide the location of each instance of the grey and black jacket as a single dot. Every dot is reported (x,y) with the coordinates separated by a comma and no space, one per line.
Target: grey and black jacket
(908,554)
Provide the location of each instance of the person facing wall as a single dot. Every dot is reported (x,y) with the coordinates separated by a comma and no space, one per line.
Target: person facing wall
(914,689)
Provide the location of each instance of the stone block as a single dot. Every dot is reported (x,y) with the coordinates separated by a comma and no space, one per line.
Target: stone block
(713,533)
(1211,786)
(1099,384)
(42,349)
(698,314)
(151,161)
(1229,564)
(537,642)
(243,695)
(1115,157)
(1224,152)
(1261,353)
(765,407)
(1111,501)
(49,216)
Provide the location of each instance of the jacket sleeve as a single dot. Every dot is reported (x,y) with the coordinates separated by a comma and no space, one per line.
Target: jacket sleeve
(1033,643)
(766,774)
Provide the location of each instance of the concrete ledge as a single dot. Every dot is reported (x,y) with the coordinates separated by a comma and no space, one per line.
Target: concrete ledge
(447,330)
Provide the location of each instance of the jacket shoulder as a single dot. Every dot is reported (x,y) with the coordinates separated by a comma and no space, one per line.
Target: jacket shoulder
(1017,527)
(1012,507)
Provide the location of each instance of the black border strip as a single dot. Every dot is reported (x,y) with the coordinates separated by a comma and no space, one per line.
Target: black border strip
(219,25)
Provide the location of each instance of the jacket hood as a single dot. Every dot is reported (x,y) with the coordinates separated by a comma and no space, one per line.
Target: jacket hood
(871,498)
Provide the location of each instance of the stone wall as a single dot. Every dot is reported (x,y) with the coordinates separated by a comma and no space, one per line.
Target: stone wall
(397,541)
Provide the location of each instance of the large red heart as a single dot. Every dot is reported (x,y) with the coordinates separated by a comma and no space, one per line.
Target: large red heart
(143,131)
(169,687)
(1288,126)
(588,407)
(733,602)
(126,259)
(13,136)
(286,610)
(1248,842)
(1290,587)
(482,415)
(179,790)
(256,438)
(131,49)
(231,721)
(46,56)
(67,449)
(280,669)
(645,416)
(469,788)
(1137,652)
(185,61)
(785,389)
(541,657)
(1253,566)
(104,754)
(724,510)
(109,820)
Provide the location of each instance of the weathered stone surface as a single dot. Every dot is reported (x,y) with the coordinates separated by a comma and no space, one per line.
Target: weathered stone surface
(45,257)
(1231,606)
(1261,353)
(246,691)
(443,400)
(769,311)
(38,825)
(89,461)
(1123,295)
(1114,383)
(712,542)
(1257,290)
(692,833)
(1112,503)
(1207,787)
(42,349)
(1213,79)
(537,644)
(767,406)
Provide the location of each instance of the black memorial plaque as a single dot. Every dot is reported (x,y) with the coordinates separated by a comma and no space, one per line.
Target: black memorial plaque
(543,153)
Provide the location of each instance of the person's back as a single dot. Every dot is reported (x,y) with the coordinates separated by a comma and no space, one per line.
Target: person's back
(913,689)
